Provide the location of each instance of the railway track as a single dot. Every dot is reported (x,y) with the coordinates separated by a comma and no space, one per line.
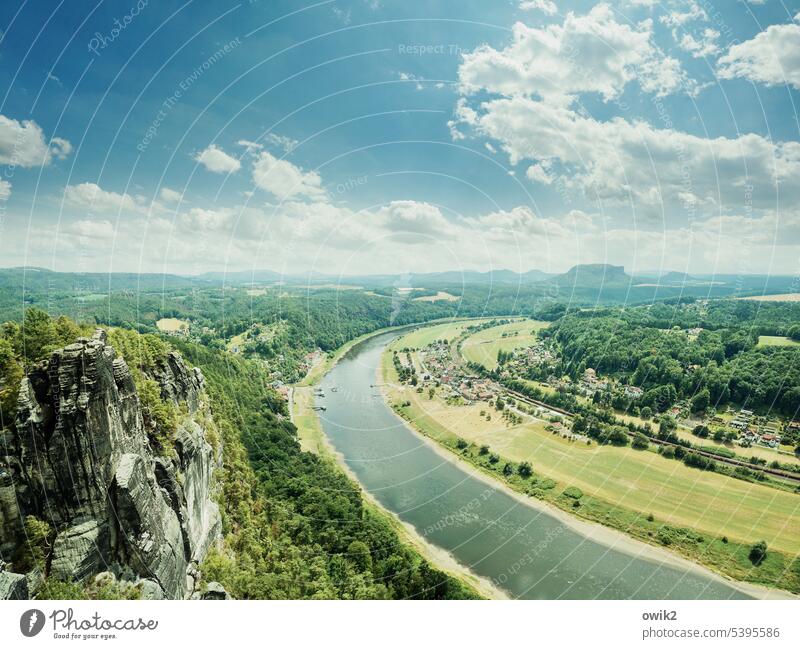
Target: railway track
(778,473)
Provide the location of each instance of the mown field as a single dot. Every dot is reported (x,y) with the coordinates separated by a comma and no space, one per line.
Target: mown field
(776,341)
(171,325)
(424,336)
(641,481)
(309,429)
(482,347)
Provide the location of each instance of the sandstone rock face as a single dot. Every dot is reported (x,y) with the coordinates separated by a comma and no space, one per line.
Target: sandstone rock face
(81,460)
(13,586)
(75,554)
(214,590)
(9,510)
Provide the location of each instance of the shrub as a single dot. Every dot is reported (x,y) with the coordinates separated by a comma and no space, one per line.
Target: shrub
(573,492)
(758,552)
(52,589)
(35,549)
(161,417)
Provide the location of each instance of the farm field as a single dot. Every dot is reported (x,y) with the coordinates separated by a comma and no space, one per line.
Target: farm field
(776,341)
(424,336)
(172,325)
(781,297)
(482,347)
(440,296)
(640,481)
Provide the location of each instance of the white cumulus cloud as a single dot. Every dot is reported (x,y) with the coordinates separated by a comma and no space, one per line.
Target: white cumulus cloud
(91,197)
(170,195)
(215,159)
(772,57)
(619,160)
(547,6)
(285,180)
(587,53)
(23,144)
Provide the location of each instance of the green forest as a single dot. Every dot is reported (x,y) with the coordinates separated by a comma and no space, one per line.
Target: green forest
(670,364)
(295,526)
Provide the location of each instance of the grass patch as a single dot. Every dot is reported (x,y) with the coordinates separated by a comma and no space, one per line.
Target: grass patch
(776,341)
(482,347)
(172,325)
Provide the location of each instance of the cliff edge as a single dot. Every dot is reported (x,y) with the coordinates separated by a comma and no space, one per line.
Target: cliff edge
(81,457)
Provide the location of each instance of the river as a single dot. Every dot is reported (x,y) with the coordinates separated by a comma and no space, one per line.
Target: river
(528,552)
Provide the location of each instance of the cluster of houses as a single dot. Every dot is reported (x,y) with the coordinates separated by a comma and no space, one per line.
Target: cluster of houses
(752,429)
(438,367)
(591,383)
(533,356)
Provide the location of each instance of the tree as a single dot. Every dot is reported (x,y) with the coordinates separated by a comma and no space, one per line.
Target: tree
(758,552)
(701,431)
(10,377)
(525,469)
(38,335)
(640,442)
(701,400)
(38,534)
(484,450)
(618,436)
(666,425)
(358,552)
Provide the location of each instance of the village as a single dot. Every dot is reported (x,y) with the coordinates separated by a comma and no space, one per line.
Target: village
(456,382)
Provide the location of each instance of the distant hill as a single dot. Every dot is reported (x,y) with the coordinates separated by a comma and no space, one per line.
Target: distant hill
(243,277)
(414,280)
(674,277)
(500,276)
(42,279)
(593,276)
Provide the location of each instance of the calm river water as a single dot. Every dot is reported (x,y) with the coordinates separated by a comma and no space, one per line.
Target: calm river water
(523,550)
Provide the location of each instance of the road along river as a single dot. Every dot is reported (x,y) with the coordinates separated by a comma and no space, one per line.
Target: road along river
(514,541)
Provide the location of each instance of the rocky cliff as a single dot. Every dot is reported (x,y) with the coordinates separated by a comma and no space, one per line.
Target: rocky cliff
(80,458)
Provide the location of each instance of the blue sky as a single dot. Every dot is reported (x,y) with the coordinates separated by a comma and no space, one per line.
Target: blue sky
(361,136)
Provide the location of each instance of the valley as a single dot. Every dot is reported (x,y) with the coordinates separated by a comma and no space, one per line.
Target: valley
(664,431)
